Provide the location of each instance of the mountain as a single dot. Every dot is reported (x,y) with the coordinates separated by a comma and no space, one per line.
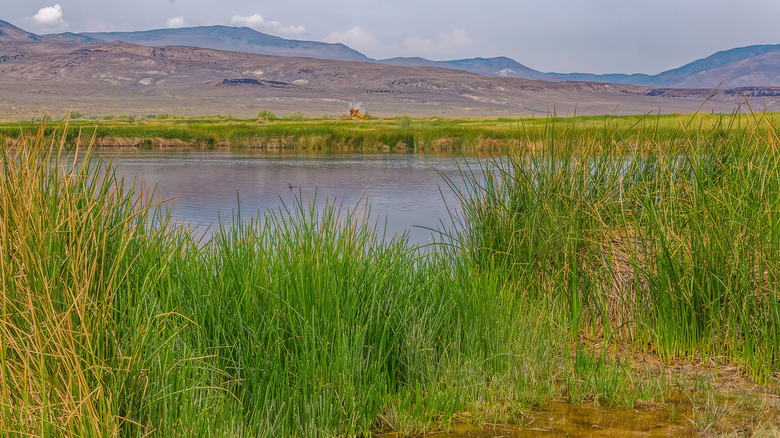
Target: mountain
(9,32)
(70,36)
(741,67)
(500,66)
(99,79)
(236,39)
(509,68)
(749,66)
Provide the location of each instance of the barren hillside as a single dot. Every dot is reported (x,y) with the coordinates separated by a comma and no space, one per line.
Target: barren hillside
(54,76)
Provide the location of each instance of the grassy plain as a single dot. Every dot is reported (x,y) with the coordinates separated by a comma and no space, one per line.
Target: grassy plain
(594,257)
(400,134)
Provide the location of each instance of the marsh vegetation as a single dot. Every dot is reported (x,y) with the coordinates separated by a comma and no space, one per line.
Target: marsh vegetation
(591,258)
(392,135)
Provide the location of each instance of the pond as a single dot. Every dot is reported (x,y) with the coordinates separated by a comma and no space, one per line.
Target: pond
(406,190)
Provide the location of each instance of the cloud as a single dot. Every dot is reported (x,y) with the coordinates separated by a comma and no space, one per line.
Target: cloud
(362,41)
(50,17)
(176,22)
(257,21)
(453,44)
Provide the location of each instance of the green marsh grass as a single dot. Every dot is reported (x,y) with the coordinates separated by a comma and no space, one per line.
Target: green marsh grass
(671,247)
(305,322)
(401,134)
(310,322)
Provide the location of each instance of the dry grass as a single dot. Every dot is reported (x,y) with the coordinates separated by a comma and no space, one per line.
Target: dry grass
(63,253)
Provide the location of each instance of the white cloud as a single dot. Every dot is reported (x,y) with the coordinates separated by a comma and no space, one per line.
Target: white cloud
(257,21)
(176,22)
(449,45)
(362,41)
(50,17)
(455,43)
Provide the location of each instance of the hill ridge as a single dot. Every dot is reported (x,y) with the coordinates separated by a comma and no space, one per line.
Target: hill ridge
(749,66)
(232,38)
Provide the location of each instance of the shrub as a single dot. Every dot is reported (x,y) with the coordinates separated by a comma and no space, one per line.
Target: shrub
(266,115)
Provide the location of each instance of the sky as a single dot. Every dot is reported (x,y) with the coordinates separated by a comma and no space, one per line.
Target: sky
(593,36)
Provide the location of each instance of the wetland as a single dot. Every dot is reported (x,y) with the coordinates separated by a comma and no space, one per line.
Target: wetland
(606,276)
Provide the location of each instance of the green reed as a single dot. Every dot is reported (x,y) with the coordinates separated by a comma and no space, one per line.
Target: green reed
(672,247)
(307,321)
(400,134)
(310,322)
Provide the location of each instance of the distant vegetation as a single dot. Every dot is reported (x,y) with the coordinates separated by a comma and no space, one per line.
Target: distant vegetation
(266,115)
(401,134)
(588,242)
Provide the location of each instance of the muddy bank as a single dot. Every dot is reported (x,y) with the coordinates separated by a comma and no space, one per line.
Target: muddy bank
(677,417)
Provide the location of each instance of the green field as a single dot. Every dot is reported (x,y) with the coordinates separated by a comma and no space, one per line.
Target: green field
(400,134)
(585,245)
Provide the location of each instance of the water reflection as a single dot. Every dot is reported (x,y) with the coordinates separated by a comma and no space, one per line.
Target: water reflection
(562,419)
(406,189)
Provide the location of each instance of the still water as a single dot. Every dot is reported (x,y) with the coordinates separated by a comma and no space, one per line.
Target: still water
(406,190)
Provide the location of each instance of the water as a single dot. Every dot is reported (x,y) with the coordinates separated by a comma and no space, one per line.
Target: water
(561,419)
(404,189)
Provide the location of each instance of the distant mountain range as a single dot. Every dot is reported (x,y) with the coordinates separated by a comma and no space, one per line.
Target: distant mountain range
(509,68)
(740,67)
(92,74)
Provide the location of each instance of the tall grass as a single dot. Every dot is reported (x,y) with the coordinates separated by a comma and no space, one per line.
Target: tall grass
(402,134)
(672,247)
(116,322)
(311,322)
(69,238)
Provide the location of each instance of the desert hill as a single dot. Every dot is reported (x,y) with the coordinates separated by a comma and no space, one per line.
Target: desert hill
(54,76)
(9,32)
(237,39)
(740,67)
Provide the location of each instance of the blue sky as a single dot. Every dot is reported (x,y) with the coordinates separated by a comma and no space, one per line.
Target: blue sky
(596,36)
